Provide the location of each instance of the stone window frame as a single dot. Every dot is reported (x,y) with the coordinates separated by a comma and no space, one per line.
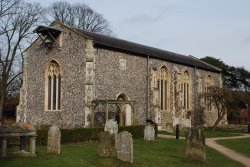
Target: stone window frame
(53,87)
(207,89)
(122,64)
(163,84)
(185,88)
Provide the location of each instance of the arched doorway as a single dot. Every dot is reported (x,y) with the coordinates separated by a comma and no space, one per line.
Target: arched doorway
(126,110)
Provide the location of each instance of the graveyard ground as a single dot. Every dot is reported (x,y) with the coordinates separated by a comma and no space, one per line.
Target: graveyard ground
(239,145)
(208,133)
(162,152)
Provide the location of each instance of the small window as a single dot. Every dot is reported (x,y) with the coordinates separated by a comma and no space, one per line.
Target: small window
(122,65)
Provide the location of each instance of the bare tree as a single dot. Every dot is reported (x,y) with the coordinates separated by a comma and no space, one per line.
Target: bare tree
(80,16)
(6,6)
(222,99)
(16,24)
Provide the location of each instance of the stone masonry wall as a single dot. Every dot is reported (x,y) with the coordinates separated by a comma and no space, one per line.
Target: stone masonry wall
(70,57)
(167,115)
(114,73)
(111,80)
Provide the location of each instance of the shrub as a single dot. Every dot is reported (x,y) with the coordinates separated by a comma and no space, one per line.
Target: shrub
(85,134)
(136,131)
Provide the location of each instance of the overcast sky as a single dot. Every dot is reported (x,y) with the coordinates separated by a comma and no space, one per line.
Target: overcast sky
(218,28)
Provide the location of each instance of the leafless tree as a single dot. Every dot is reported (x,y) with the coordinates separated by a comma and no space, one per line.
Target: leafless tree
(80,16)
(6,6)
(17,22)
(222,99)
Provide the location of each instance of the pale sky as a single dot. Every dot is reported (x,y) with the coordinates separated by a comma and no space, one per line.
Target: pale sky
(218,28)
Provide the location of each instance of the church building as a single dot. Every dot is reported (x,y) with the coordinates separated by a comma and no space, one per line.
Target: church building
(75,79)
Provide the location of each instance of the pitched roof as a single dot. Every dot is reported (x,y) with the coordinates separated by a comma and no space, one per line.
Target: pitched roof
(103,41)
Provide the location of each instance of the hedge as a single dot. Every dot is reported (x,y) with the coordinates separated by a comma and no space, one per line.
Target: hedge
(85,134)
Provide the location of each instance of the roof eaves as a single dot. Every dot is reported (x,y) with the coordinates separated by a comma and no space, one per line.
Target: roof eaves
(215,68)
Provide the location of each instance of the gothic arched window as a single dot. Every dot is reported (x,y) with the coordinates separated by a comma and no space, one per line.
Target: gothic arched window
(208,84)
(163,85)
(53,87)
(185,88)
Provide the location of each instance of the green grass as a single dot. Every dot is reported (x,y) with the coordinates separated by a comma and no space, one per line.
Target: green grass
(222,133)
(211,134)
(239,145)
(162,152)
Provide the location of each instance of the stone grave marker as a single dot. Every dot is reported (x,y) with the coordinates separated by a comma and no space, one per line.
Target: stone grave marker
(125,146)
(195,144)
(169,128)
(149,133)
(106,147)
(54,140)
(112,127)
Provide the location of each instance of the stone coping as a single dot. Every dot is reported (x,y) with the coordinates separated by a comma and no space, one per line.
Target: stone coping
(17,134)
(9,131)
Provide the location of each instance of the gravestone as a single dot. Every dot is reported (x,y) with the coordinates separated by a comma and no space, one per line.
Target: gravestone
(54,140)
(149,133)
(112,127)
(125,146)
(169,128)
(195,148)
(106,147)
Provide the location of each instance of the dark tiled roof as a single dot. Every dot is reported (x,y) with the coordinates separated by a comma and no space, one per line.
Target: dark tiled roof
(142,50)
(102,41)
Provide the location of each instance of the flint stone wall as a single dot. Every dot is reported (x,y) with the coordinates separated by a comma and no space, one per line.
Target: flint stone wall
(109,81)
(71,61)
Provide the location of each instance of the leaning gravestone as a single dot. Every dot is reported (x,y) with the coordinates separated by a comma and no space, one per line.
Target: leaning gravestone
(112,127)
(54,140)
(195,148)
(149,133)
(125,146)
(106,148)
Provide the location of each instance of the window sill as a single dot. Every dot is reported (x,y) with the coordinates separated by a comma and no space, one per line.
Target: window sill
(52,110)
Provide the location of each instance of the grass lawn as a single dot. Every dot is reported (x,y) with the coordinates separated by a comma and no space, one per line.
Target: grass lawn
(239,145)
(162,153)
(211,134)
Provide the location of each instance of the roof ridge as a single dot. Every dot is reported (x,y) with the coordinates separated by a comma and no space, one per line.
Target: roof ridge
(121,45)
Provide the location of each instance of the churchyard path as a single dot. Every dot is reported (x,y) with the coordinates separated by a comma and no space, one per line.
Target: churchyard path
(211,142)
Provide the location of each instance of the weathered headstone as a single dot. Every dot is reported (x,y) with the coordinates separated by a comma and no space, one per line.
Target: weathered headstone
(149,133)
(106,147)
(195,148)
(54,140)
(169,128)
(125,146)
(112,127)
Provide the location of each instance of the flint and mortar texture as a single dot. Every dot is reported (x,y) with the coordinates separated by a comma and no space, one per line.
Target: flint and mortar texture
(91,73)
